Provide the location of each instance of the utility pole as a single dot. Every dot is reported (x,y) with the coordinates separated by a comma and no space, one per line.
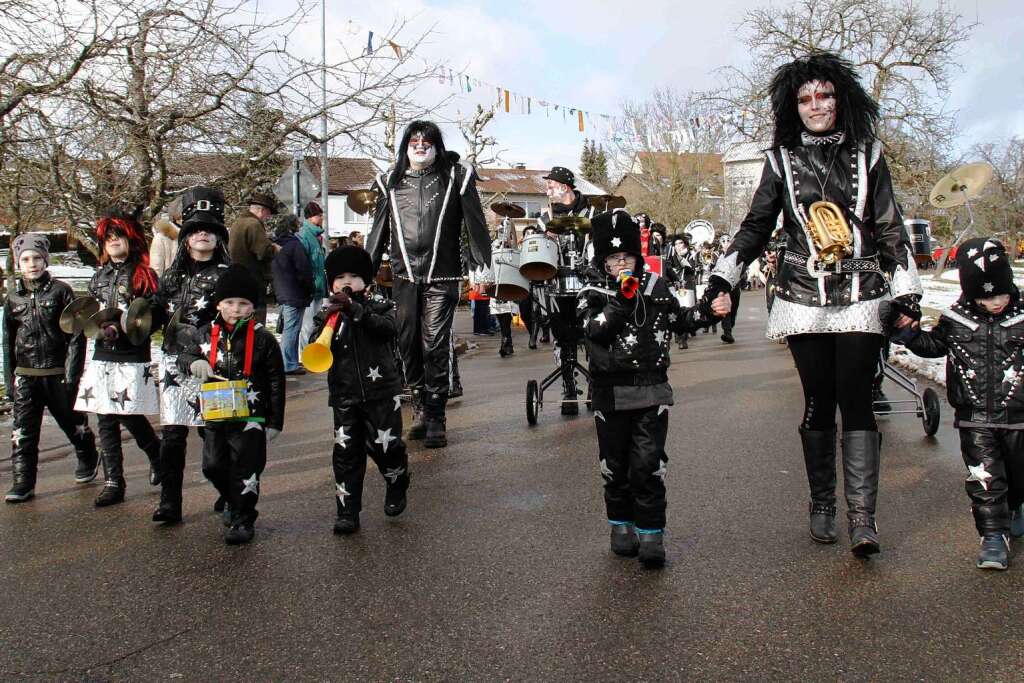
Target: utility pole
(324,193)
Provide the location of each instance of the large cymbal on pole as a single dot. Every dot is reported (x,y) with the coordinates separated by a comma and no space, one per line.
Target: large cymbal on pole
(607,202)
(362,201)
(137,321)
(960,185)
(508,210)
(76,316)
(563,224)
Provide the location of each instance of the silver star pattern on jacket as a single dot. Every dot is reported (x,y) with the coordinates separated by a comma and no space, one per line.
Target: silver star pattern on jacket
(1010,375)
(374,374)
(205,348)
(201,303)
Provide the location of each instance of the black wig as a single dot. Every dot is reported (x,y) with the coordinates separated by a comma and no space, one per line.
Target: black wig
(429,130)
(856,110)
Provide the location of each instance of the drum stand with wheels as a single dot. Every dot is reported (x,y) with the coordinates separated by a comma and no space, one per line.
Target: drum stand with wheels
(925,403)
(535,390)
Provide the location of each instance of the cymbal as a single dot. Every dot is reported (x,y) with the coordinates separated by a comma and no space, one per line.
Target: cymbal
(563,224)
(607,202)
(137,321)
(105,315)
(960,185)
(362,201)
(507,210)
(76,316)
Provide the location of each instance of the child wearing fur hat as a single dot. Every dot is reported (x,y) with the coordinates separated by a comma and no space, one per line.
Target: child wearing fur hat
(365,388)
(119,384)
(42,367)
(234,346)
(629,319)
(980,335)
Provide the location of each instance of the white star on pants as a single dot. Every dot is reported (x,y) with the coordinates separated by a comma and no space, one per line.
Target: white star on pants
(398,402)
(251,485)
(384,438)
(605,470)
(662,471)
(17,435)
(394,473)
(342,493)
(979,475)
(341,438)
(662,408)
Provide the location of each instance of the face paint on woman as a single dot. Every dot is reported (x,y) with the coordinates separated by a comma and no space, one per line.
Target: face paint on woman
(816,104)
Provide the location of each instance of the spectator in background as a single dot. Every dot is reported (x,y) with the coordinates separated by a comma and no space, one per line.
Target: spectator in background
(355,237)
(311,236)
(164,247)
(248,244)
(293,287)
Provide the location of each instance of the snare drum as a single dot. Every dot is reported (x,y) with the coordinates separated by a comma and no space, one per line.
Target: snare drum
(224,400)
(566,282)
(538,258)
(509,283)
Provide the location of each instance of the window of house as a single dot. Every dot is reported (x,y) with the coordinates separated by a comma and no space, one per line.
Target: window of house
(353,217)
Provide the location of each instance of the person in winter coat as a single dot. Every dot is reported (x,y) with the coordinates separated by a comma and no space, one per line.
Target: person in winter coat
(237,347)
(249,245)
(42,365)
(982,337)
(311,236)
(364,388)
(628,325)
(119,384)
(293,287)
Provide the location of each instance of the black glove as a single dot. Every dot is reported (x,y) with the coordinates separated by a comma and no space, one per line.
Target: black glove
(716,285)
(339,302)
(355,310)
(906,304)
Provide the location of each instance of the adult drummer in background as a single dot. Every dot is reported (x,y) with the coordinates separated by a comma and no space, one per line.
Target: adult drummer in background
(565,200)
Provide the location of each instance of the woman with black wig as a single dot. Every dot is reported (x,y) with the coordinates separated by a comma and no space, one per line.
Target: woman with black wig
(825,148)
(422,204)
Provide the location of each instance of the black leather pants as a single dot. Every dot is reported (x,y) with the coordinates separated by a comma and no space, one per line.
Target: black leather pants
(425,315)
(109,427)
(567,332)
(374,430)
(632,458)
(999,454)
(234,455)
(31,396)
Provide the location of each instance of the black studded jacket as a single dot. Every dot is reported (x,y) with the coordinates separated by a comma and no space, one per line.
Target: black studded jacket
(32,336)
(190,287)
(112,287)
(984,362)
(857,179)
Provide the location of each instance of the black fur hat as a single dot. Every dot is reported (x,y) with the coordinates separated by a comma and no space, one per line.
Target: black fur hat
(612,232)
(349,259)
(202,208)
(237,282)
(856,111)
(984,268)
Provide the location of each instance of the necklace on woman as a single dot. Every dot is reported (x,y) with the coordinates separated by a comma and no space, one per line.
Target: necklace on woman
(821,183)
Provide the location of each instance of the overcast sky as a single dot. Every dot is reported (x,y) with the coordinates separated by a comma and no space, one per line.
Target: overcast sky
(594,55)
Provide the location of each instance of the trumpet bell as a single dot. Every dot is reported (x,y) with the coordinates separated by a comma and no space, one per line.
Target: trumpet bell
(317,357)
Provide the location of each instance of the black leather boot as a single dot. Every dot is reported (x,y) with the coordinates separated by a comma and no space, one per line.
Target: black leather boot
(652,549)
(394,495)
(820,461)
(113,473)
(534,329)
(861,461)
(88,459)
(239,534)
(418,428)
(624,541)
(168,511)
(434,410)
(506,347)
(347,523)
(23,471)
(152,451)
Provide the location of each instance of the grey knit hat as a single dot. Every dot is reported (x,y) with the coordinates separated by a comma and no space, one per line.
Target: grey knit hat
(32,241)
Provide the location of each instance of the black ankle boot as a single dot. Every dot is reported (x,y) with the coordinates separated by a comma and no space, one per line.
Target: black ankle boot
(418,428)
(153,453)
(395,495)
(861,460)
(112,494)
(88,461)
(820,460)
(169,509)
(533,337)
(434,414)
(23,471)
(346,524)
(239,534)
(624,541)
(506,347)
(652,549)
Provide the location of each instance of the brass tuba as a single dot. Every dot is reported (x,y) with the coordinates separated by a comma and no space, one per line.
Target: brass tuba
(830,232)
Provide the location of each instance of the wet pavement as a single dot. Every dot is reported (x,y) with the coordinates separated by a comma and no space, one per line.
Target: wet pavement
(500,570)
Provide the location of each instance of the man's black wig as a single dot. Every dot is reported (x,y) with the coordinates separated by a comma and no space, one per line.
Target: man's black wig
(856,111)
(432,134)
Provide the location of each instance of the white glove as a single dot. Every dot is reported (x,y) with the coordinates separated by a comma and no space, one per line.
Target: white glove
(201,369)
(272,434)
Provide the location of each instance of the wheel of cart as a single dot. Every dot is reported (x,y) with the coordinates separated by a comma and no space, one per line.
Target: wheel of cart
(535,392)
(923,404)
(533,402)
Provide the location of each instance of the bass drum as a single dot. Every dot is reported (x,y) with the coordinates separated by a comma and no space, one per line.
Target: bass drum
(509,284)
(538,258)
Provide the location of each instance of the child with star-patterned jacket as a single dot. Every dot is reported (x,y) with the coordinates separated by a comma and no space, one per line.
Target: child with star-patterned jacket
(628,327)
(364,384)
(982,337)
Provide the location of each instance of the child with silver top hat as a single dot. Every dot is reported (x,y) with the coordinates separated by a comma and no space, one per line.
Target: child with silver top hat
(982,337)
(629,317)
(233,347)
(364,384)
(42,367)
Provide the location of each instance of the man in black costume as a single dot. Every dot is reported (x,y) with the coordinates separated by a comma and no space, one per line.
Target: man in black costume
(422,204)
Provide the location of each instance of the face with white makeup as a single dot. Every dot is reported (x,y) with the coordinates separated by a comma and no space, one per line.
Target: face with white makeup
(816,104)
(421,152)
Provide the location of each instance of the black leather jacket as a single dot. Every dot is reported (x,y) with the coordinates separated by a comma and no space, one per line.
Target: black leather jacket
(628,339)
(420,224)
(856,179)
(364,367)
(32,335)
(190,287)
(267,383)
(680,269)
(112,287)
(984,362)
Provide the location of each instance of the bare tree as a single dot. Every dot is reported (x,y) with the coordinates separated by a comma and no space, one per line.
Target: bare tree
(481,149)
(1000,209)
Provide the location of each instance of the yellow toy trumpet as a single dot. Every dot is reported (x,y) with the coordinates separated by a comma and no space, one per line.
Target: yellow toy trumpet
(317,357)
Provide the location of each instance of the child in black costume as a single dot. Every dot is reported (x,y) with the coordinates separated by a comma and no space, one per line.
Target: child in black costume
(981,336)
(365,388)
(629,321)
(234,347)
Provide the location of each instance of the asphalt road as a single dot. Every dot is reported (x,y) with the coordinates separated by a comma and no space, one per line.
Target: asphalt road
(500,570)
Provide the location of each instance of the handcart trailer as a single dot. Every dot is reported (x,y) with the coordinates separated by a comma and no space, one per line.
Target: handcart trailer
(924,404)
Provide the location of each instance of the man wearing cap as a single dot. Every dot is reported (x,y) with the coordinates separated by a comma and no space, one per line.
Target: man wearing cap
(42,366)
(249,245)
(186,292)
(565,200)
